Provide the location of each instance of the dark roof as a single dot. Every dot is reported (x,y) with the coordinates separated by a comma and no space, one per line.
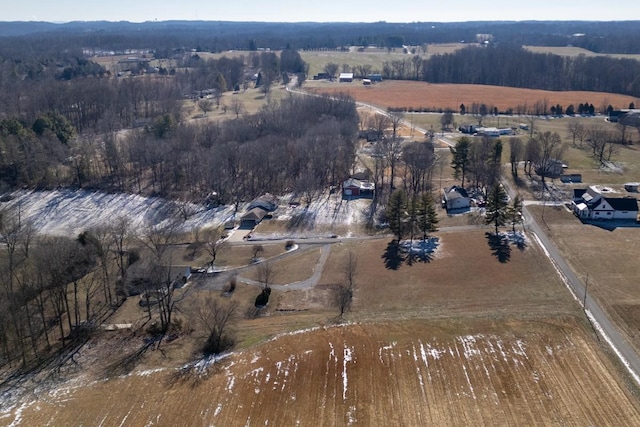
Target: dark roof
(267,201)
(456,191)
(578,192)
(623,204)
(255,214)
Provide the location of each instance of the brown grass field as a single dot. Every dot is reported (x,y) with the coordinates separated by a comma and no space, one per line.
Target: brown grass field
(412,94)
(607,259)
(462,339)
(576,51)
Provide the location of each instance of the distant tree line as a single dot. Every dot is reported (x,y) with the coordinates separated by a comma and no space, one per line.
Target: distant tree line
(508,65)
(16,38)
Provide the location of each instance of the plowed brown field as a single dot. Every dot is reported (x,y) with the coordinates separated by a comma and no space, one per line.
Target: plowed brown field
(398,374)
(411,94)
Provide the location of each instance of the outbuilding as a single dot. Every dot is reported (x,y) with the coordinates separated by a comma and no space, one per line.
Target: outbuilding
(632,187)
(345,77)
(357,188)
(252,218)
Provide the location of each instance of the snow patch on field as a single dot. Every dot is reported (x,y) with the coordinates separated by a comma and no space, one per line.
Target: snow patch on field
(469,345)
(68,212)
(347,357)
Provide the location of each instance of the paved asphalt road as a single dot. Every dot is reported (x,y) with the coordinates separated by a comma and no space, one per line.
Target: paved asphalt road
(603,324)
(601,321)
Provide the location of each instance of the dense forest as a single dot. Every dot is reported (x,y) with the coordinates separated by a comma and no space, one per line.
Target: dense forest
(20,37)
(509,65)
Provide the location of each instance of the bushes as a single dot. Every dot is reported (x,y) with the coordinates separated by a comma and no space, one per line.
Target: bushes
(263,299)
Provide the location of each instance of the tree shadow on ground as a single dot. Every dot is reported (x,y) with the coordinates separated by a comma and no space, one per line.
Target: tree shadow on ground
(499,245)
(195,373)
(517,239)
(419,250)
(126,364)
(392,256)
(409,251)
(305,219)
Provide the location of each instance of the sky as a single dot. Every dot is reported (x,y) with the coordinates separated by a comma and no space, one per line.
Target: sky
(317,11)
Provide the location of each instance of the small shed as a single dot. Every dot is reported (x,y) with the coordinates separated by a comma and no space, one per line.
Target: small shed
(357,188)
(345,77)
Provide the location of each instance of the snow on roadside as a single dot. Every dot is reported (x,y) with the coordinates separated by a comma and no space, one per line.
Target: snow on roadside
(68,212)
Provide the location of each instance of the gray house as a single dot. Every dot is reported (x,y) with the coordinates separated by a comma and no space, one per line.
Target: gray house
(454,198)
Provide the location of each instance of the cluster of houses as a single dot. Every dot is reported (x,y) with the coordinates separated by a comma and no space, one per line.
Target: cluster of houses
(258,209)
(261,207)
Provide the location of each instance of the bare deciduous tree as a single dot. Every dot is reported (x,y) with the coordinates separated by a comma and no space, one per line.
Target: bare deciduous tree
(515,154)
(266,274)
(577,131)
(205,105)
(216,317)
(601,143)
(237,106)
(212,243)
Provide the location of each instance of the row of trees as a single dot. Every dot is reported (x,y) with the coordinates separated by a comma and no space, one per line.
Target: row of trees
(167,38)
(410,215)
(522,68)
(477,163)
(55,289)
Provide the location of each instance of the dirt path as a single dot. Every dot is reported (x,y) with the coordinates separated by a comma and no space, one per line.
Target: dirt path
(303,284)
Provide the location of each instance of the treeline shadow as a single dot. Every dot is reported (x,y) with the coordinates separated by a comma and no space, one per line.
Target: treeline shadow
(127,363)
(304,219)
(500,247)
(398,253)
(500,244)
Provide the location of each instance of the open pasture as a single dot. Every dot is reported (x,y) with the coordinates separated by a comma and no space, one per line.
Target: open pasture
(577,51)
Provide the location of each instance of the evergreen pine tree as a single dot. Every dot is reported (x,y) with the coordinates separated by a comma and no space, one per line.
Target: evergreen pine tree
(397,212)
(427,216)
(461,158)
(514,212)
(497,204)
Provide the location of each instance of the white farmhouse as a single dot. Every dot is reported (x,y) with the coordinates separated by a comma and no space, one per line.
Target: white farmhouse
(590,203)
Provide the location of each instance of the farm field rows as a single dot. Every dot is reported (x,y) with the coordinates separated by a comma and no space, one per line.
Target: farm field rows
(413,94)
(460,339)
(399,373)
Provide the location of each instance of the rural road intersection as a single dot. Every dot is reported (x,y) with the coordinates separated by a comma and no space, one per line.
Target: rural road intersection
(596,315)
